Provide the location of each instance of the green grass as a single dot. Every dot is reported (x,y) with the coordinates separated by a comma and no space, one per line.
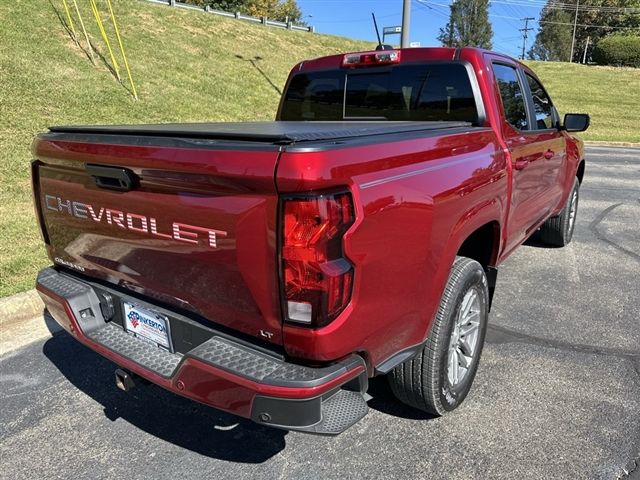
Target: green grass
(611,95)
(188,66)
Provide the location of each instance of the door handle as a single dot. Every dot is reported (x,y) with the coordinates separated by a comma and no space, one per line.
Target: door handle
(549,154)
(521,164)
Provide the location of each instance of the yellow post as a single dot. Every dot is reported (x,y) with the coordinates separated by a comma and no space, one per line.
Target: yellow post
(96,14)
(70,20)
(124,55)
(84,30)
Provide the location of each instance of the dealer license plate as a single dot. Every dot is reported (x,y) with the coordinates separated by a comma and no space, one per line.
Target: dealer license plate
(147,325)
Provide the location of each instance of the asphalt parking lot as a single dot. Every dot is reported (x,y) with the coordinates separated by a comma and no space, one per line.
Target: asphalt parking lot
(557,394)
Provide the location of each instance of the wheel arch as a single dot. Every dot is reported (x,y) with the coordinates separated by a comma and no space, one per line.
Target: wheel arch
(483,245)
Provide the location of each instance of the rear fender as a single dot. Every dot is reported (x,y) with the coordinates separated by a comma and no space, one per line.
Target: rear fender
(472,220)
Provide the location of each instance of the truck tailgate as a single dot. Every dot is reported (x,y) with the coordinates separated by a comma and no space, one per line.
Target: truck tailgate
(190,223)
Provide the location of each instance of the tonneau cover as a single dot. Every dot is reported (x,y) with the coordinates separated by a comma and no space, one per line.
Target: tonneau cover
(272,132)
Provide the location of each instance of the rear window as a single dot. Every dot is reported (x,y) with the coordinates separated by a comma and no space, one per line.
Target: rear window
(418,92)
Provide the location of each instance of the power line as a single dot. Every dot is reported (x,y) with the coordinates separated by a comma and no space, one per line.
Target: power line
(509,10)
(540,21)
(508,39)
(352,20)
(427,9)
(512,10)
(561,6)
(568,6)
(513,6)
(567,23)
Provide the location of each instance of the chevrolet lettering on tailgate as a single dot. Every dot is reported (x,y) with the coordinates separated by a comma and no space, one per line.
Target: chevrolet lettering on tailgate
(135,222)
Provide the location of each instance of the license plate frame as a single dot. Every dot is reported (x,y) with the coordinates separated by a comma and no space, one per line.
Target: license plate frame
(148,325)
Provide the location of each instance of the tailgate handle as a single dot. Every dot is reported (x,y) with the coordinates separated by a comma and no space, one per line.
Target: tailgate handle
(114,178)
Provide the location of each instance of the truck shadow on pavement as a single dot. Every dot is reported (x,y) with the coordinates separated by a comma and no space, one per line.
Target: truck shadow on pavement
(535,240)
(385,401)
(160,413)
(180,421)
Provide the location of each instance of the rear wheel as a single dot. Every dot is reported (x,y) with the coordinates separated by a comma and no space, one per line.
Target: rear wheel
(558,230)
(439,377)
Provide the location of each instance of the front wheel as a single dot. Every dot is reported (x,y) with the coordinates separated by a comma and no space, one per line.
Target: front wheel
(558,230)
(439,377)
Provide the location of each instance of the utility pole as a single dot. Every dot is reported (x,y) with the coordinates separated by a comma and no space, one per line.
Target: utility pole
(525,34)
(406,20)
(586,46)
(575,24)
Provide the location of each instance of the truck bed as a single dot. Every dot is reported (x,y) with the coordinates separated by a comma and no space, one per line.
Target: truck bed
(276,132)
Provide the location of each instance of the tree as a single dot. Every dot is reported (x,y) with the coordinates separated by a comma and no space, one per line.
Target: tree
(620,50)
(605,21)
(596,19)
(281,10)
(225,5)
(553,40)
(468,25)
(289,8)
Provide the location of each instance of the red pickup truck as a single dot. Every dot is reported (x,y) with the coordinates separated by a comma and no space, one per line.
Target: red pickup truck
(269,269)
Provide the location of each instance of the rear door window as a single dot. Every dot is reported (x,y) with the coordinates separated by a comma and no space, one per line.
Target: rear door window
(512,96)
(543,108)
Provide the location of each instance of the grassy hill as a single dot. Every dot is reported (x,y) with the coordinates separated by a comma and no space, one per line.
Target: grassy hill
(188,66)
(611,95)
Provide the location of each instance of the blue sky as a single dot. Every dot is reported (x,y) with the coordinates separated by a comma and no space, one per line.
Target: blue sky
(352,18)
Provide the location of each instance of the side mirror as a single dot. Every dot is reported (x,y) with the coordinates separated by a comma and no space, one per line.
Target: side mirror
(576,122)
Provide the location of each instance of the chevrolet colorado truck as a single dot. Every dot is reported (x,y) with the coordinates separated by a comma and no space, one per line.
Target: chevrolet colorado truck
(269,269)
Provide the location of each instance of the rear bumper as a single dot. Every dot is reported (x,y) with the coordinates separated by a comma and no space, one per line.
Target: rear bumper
(220,371)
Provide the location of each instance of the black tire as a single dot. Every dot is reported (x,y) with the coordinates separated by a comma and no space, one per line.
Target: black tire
(558,231)
(423,381)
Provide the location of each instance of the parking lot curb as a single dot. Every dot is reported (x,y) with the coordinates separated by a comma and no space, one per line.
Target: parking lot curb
(20,306)
(23,320)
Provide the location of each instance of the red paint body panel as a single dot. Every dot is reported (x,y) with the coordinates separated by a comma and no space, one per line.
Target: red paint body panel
(417,199)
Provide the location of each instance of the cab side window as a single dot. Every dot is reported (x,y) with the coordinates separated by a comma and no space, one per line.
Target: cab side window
(542,105)
(512,96)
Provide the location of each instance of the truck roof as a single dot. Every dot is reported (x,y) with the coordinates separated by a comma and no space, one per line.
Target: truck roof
(420,54)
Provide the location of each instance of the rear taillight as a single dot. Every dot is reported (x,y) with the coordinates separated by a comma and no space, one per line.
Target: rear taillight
(316,276)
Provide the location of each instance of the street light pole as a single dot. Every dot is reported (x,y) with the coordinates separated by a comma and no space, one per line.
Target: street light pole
(406,20)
